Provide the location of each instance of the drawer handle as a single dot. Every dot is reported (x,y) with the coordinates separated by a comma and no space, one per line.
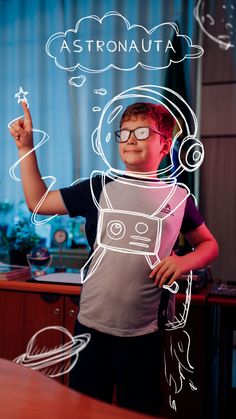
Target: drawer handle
(71,312)
(57,311)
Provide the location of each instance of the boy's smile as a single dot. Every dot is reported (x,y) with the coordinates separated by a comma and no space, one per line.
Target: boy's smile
(143,155)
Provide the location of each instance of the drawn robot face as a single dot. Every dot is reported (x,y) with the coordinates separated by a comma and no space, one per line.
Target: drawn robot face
(129,232)
(103,135)
(217,22)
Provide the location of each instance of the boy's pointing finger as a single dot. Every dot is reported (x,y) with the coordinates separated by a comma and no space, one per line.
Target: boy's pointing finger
(27,115)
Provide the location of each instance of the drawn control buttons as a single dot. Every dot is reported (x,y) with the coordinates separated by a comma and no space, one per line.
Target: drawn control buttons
(116,229)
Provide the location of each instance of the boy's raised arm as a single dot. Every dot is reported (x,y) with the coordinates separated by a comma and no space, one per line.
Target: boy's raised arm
(33,185)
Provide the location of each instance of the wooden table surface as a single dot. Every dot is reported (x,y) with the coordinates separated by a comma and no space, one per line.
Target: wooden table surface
(34,286)
(27,394)
(68,289)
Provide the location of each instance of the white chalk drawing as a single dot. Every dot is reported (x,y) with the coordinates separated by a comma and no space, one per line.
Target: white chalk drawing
(100,91)
(128,231)
(177,365)
(77,81)
(212,24)
(125,230)
(21,98)
(174,103)
(112,223)
(57,361)
(135,41)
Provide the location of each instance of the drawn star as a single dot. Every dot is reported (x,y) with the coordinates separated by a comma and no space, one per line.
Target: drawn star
(21,95)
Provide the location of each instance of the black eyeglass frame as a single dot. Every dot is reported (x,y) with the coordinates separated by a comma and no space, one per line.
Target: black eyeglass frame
(133,130)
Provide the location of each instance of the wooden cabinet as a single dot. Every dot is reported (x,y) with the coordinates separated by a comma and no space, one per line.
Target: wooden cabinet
(71,308)
(24,315)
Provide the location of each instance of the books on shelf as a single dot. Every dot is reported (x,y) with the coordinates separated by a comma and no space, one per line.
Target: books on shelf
(14,272)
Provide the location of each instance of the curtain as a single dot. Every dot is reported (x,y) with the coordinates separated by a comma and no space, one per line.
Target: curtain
(59,107)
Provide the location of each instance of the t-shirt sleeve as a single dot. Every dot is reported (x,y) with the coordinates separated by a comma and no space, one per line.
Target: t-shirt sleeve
(77,198)
(192,217)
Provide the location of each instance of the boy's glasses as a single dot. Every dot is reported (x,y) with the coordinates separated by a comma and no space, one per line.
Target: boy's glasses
(142,133)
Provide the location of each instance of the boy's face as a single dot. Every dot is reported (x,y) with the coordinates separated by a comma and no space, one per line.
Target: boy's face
(145,155)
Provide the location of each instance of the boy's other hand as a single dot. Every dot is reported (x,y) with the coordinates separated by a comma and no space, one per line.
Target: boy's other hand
(168,270)
(21,130)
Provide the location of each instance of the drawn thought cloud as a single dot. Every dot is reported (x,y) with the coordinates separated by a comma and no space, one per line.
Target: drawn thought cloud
(93,47)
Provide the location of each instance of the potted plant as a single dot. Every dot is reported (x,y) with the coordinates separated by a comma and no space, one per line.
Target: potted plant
(21,239)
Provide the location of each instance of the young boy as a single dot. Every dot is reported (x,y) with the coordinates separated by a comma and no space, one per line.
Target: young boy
(120,300)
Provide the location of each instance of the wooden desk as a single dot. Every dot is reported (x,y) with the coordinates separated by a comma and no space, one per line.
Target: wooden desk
(34,286)
(27,307)
(26,394)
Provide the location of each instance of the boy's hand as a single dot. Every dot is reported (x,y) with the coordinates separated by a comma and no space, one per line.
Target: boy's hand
(168,270)
(21,130)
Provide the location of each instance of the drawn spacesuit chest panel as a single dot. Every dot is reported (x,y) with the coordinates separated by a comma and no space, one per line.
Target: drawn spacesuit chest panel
(132,215)
(124,231)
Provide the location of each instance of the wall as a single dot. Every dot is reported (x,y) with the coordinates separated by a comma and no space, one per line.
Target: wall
(218,134)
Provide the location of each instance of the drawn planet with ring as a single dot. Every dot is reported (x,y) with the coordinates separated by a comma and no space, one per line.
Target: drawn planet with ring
(55,361)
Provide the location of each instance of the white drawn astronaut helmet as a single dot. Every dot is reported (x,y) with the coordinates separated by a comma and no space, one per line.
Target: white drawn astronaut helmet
(109,121)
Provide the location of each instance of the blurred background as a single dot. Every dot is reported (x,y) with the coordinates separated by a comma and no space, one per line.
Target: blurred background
(66,100)
(48,48)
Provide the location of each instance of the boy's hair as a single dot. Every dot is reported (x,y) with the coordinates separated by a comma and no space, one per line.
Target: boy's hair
(164,120)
